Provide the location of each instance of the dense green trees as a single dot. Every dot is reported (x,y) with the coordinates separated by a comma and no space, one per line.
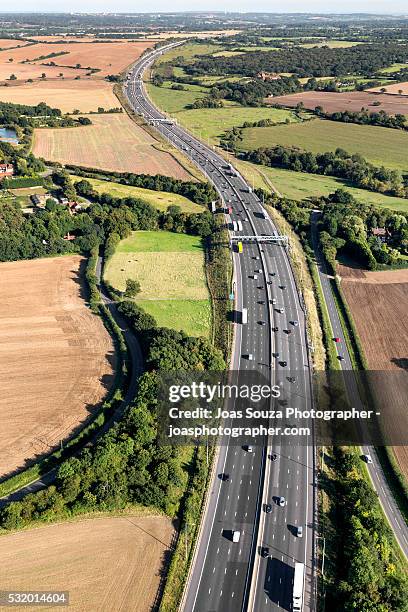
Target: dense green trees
(352,167)
(303,62)
(368,577)
(364,117)
(201,193)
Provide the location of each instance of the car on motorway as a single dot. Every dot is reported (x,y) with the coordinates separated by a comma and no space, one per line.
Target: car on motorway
(275,328)
(262,302)
(249,448)
(274,457)
(340,358)
(265,552)
(281,501)
(292,379)
(236,535)
(284,364)
(283,287)
(261,323)
(250,357)
(367,458)
(295,323)
(336,339)
(299,531)
(255,276)
(272,273)
(281,310)
(268,508)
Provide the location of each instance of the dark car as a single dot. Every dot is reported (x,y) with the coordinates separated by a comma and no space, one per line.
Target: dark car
(268,508)
(275,329)
(284,364)
(265,552)
(274,457)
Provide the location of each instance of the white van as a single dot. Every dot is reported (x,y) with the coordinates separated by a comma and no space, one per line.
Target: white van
(236,535)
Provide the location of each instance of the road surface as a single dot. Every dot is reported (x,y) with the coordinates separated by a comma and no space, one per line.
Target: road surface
(378,479)
(234,576)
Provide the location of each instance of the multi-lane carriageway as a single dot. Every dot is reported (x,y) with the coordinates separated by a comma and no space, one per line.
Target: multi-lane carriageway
(227,575)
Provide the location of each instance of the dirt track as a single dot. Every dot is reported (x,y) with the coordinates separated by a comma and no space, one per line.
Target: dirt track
(105,563)
(56,357)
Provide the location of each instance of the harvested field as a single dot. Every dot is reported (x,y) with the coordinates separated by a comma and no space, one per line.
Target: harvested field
(379,305)
(33,71)
(56,357)
(394,88)
(113,142)
(85,95)
(6,43)
(352,101)
(104,563)
(109,57)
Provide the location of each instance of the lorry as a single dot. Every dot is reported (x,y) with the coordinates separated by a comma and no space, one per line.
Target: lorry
(234,226)
(244,316)
(239,246)
(298,582)
(239,223)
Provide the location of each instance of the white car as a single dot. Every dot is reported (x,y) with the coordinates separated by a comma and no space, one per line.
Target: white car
(281,502)
(236,535)
(367,458)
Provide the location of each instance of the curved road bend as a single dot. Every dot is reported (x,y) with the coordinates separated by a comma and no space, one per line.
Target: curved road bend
(136,360)
(224,575)
(379,481)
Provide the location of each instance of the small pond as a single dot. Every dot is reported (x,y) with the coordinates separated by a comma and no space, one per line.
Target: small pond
(7,135)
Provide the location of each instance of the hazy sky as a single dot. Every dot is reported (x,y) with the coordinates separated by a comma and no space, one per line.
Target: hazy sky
(309,6)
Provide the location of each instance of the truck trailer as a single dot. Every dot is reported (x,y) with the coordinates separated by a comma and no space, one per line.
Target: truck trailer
(244,316)
(298,587)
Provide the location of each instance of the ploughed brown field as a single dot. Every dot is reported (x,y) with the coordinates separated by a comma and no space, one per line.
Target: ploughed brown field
(332,102)
(106,564)
(113,142)
(56,357)
(379,305)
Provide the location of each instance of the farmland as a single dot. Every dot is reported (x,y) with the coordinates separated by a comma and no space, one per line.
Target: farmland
(68,95)
(56,358)
(380,146)
(379,303)
(99,561)
(159,199)
(113,142)
(300,185)
(170,269)
(352,101)
(396,88)
(106,57)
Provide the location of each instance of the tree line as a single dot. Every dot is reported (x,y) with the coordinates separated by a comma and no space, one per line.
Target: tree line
(364,60)
(127,465)
(198,192)
(351,167)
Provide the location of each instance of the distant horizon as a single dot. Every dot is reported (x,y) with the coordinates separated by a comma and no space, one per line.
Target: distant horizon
(396,8)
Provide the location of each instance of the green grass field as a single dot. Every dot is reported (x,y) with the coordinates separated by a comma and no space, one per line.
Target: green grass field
(332,44)
(170,269)
(299,185)
(170,100)
(380,146)
(191,316)
(211,123)
(393,68)
(188,52)
(159,199)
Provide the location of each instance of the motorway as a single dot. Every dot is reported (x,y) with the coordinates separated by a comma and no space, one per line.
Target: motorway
(377,476)
(234,576)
